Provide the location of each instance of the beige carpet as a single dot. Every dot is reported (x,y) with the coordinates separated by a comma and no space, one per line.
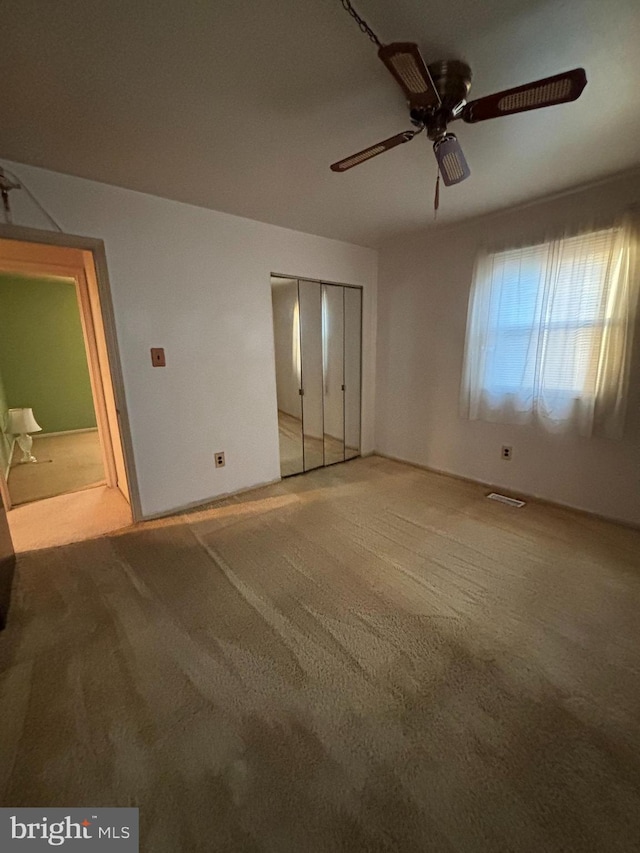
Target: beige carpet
(66,463)
(367,658)
(68,518)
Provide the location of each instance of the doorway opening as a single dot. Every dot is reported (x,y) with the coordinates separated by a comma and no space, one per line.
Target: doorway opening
(318,360)
(65,465)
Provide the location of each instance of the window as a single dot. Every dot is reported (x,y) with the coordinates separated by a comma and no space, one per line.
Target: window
(549,333)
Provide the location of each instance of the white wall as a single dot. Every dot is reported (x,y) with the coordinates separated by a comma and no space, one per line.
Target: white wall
(424,282)
(197,283)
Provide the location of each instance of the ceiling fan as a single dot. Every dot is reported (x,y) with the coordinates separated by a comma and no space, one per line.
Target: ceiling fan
(437,96)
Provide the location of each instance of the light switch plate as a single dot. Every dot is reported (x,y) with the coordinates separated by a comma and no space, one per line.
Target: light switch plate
(157,357)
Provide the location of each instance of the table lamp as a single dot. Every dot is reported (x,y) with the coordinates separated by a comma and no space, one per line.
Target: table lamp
(21,423)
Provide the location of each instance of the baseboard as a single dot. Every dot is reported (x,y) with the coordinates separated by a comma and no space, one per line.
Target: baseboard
(203,504)
(64,432)
(524,496)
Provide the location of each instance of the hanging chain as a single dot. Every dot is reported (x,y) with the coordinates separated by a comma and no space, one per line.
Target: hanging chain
(5,186)
(364,26)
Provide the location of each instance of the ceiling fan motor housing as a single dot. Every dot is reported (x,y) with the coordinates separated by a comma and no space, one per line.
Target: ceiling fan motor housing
(452,80)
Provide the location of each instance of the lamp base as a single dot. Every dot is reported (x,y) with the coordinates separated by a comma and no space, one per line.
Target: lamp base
(25,443)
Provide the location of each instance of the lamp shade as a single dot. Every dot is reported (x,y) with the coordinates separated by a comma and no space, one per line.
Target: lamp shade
(22,421)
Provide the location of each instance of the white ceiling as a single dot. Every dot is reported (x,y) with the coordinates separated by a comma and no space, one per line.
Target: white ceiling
(241,105)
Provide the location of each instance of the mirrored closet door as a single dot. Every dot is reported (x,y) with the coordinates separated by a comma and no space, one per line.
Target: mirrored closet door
(352,369)
(333,372)
(310,299)
(286,325)
(318,354)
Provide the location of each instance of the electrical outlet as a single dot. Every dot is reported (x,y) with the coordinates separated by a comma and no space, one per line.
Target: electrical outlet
(507,452)
(219,457)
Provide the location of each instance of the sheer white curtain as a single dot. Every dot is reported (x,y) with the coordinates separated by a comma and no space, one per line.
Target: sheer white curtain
(549,333)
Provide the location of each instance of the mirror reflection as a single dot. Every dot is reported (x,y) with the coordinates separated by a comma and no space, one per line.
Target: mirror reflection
(311,347)
(286,328)
(318,354)
(333,372)
(352,370)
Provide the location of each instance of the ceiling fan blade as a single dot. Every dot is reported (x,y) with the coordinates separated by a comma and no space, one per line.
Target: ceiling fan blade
(451,161)
(373,151)
(558,89)
(405,62)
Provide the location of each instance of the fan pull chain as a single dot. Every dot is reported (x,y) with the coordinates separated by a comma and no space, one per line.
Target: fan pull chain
(436,200)
(364,26)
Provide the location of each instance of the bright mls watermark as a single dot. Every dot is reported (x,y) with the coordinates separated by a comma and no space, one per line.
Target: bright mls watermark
(104,830)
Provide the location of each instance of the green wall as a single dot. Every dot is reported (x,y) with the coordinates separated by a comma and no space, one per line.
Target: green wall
(42,356)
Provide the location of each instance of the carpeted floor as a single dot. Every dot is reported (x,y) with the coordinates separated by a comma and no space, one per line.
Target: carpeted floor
(66,463)
(367,658)
(74,517)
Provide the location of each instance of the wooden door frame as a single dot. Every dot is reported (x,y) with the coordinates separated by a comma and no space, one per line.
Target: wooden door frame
(98,323)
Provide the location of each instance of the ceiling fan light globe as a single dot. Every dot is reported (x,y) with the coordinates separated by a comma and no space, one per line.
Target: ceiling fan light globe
(451,161)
